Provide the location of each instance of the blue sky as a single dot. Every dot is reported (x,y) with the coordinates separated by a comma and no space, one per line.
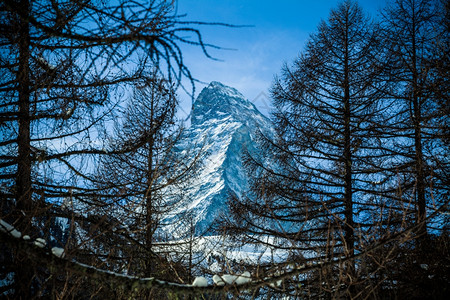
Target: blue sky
(280,30)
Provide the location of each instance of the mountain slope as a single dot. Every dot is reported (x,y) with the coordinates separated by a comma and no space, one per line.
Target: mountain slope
(225,123)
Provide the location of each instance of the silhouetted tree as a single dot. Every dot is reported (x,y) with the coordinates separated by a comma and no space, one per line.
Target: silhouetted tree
(63,66)
(147,172)
(417,39)
(315,192)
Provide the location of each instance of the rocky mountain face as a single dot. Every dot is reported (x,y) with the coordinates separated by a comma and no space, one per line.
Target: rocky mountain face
(224,123)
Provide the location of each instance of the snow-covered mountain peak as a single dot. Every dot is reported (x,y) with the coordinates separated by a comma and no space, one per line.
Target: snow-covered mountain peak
(223,89)
(217,101)
(224,124)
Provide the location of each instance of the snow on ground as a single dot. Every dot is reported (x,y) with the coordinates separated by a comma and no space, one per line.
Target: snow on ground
(213,252)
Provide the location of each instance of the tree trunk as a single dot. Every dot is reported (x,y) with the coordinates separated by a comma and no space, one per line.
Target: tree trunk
(349,225)
(149,220)
(23,179)
(24,205)
(419,168)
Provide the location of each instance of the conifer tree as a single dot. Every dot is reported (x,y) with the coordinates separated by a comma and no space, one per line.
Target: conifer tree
(417,39)
(146,172)
(316,193)
(64,65)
